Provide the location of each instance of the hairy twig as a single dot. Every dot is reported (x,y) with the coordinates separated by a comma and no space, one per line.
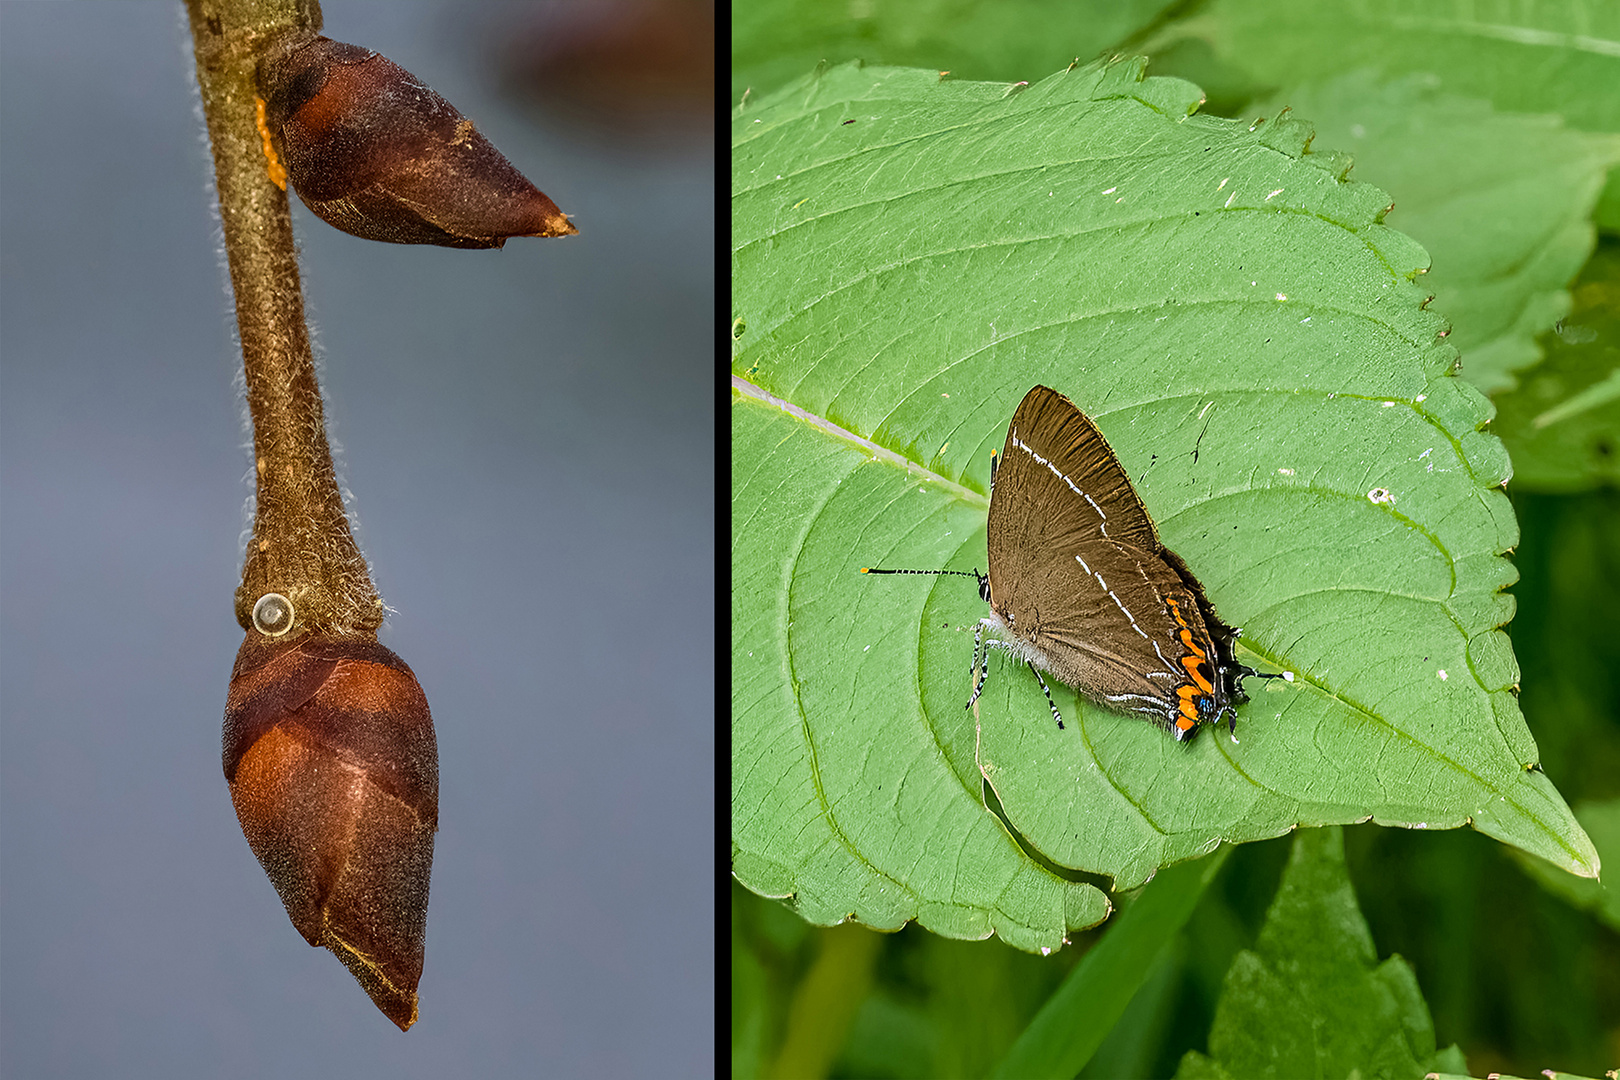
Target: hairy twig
(301,547)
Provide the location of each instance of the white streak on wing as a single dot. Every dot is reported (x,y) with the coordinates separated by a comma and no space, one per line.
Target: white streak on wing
(1169,668)
(1151,701)
(1128,615)
(1118,603)
(1055,471)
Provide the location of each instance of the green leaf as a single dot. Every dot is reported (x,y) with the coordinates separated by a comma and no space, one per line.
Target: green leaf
(1501,201)
(774,42)
(1563,433)
(1312,999)
(1246,335)
(1538,56)
(833,802)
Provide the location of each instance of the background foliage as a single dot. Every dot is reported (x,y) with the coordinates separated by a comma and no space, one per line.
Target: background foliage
(1492,128)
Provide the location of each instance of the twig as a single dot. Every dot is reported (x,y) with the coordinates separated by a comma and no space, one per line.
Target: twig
(301,547)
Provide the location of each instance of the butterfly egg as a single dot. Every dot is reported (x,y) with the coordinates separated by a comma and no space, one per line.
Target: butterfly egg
(374,152)
(273,615)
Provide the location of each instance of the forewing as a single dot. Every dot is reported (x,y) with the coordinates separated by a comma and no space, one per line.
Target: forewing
(1070,487)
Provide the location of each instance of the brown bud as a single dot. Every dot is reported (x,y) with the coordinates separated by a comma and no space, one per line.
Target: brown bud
(374,152)
(334,772)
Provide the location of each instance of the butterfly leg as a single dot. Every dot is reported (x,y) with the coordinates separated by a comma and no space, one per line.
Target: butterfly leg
(1055,714)
(981,653)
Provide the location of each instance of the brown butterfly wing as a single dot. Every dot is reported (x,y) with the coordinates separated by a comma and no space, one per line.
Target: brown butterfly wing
(1122,621)
(1080,489)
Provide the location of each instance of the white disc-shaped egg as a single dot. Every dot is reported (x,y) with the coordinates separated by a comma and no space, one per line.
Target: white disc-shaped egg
(273,615)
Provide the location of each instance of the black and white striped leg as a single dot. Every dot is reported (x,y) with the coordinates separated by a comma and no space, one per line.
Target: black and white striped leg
(981,654)
(1055,714)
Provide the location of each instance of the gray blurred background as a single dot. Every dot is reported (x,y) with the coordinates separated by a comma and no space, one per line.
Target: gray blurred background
(529,438)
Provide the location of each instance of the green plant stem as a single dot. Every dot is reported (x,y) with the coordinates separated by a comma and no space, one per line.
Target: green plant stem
(825,1002)
(301,545)
(1076,1019)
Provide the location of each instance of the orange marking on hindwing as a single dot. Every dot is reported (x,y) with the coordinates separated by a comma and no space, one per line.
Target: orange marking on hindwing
(1196,656)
